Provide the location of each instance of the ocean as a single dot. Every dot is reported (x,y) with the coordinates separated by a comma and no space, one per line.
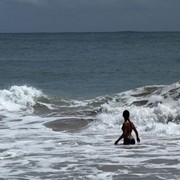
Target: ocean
(62,96)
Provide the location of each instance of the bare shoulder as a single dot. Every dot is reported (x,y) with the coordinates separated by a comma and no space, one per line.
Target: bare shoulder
(126,123)
(133,126)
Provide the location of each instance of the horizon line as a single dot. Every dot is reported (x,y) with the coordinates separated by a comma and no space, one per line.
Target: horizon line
(63,32)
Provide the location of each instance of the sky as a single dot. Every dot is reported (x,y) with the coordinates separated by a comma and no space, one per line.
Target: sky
(89,15)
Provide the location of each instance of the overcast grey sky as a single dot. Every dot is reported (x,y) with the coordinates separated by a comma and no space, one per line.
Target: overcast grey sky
(89,15)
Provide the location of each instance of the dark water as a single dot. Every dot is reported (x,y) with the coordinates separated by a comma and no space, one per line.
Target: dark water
(62,97)
(89,64)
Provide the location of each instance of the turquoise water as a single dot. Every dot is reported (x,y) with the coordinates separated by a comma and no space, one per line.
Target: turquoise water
(89,64)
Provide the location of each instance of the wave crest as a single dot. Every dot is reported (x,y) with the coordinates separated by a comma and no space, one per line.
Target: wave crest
(19,98)
(154,109)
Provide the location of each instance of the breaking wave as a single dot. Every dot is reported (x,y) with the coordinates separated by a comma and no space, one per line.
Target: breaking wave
(19,98)
(154,109)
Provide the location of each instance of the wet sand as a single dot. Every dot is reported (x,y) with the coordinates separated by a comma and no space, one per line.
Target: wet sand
(70,124)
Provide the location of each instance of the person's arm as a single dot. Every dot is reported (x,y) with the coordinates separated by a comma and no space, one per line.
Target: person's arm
(136,132)
(116,142)
(123,128)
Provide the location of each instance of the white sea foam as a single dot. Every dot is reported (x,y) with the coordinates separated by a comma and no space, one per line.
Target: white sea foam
(154,109)
(160,114)
(19,98)
(26,143)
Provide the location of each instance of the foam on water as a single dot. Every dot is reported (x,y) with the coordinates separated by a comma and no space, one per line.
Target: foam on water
(30,150)
(19,98)
(154,109)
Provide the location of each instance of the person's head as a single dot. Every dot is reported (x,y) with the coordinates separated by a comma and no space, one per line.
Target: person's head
(126,115)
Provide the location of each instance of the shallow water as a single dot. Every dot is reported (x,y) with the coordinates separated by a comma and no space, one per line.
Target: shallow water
(33,151)
(44,138)
(47,138)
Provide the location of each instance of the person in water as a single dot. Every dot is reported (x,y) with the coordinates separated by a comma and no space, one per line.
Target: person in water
(127,128)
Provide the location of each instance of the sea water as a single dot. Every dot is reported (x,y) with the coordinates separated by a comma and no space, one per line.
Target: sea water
(61,101)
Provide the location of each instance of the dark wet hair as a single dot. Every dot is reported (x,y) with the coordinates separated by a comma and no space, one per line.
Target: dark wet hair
(126,115)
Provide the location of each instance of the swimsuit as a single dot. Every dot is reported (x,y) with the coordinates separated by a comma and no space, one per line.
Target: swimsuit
(128,141)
